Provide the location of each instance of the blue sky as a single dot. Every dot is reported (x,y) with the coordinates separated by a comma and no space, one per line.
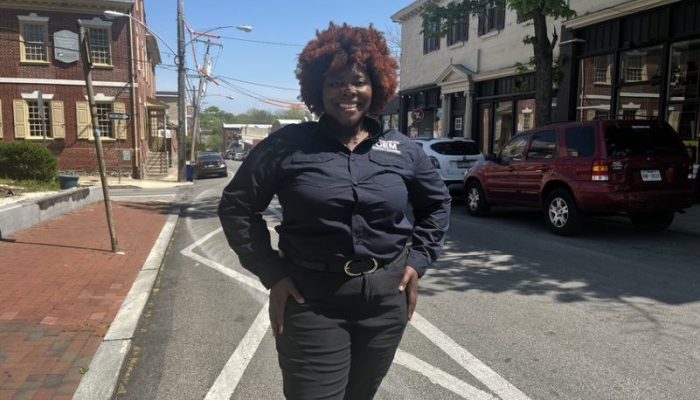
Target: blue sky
(254,56)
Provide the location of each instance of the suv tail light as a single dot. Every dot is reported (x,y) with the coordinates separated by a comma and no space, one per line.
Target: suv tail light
(600,171)
(435,162)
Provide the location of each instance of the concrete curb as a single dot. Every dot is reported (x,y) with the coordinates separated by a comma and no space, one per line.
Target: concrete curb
(24,215)
(101,380)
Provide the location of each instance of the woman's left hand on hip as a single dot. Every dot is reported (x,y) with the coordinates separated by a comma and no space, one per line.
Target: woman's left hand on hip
(409,283)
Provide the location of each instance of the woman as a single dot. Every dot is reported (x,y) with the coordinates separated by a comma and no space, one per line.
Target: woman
(345,279)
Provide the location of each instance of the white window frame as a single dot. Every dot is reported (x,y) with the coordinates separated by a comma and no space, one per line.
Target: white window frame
(33,20)
(106,26)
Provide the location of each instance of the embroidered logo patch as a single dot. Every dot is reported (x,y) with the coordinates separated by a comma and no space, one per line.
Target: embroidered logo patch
(390,146)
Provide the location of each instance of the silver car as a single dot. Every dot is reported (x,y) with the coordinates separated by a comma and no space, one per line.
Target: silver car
(452,157)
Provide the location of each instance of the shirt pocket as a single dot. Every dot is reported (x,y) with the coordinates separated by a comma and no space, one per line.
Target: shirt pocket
(387,169)
(314,169)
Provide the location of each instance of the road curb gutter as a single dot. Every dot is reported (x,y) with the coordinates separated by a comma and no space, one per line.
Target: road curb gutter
(102,377)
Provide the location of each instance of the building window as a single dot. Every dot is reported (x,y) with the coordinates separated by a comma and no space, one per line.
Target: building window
(642,64)
(492,19)
(39,125)
(633,69)
(458,124)
(34,42)
(104,123)
(459,31)
(600,70)
(431,37)
(100,50)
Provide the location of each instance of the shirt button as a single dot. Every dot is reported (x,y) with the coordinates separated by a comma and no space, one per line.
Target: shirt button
(352,158)
(354,183)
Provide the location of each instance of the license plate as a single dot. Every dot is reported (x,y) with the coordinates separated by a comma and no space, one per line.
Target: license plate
(651,175)
(462,164)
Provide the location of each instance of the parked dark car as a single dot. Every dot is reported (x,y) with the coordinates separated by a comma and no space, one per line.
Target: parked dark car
(639,168)
(210,165)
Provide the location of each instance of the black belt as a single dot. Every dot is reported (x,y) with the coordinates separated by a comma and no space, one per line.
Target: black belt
(353,267)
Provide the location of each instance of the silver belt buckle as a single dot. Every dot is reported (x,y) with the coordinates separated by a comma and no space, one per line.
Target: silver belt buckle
(347,268)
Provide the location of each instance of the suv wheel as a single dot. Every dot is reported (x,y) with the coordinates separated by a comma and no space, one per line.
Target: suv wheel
(653,222)
(476,201)
(561,215)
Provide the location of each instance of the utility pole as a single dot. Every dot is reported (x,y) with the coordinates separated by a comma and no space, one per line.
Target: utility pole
(181,88)
(196,130)
(87,68)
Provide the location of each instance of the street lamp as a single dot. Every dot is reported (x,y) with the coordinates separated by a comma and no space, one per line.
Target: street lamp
(244,28)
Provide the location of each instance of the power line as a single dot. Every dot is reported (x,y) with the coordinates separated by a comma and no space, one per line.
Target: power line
(262,41)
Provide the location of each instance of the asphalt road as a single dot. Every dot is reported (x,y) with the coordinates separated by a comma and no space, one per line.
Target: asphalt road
(509,312)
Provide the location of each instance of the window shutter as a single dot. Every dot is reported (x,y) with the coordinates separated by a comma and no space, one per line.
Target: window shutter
(82,117)
(119,126)
(58,120)
(482,23)
(20,118)
(501,22)
(1,119)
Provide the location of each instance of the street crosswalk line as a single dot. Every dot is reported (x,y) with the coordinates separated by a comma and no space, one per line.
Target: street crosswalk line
(231,374)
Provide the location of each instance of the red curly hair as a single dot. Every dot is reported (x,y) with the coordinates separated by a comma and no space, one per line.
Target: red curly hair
(339,46)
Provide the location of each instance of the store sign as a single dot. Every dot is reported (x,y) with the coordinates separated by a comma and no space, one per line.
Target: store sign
(417,115)
(65,46)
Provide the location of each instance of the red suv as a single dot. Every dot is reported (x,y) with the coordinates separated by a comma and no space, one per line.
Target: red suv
(636,167)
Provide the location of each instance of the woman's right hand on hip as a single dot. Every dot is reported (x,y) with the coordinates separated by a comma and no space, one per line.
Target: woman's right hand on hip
(279,293)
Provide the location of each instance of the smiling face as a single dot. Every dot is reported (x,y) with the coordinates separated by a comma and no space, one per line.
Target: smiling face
(347,95)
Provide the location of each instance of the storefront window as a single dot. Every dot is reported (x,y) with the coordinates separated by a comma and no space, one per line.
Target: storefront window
(422,123)
(685,70)
(595,90)
(526,115)
(503,124)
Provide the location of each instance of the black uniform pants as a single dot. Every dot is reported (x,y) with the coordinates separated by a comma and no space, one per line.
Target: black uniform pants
(341,346)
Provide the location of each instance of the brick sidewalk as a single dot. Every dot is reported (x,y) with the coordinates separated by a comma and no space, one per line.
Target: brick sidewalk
(61,287)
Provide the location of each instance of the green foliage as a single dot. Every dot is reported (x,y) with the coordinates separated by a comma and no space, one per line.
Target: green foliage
(32,186)
(457,11)
(213,143)
(550,8)
(27,161)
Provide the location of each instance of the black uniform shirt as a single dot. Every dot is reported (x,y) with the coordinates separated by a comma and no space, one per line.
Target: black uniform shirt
(337,204)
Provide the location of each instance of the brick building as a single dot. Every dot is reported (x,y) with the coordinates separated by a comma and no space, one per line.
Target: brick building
(42,70)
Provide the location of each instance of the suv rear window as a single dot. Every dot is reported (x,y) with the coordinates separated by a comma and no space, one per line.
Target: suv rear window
(455,148)
(642,139)
(580,141)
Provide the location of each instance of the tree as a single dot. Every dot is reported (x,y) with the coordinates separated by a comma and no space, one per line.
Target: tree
(542,45)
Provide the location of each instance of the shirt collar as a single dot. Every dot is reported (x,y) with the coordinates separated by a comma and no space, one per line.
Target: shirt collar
(374,127)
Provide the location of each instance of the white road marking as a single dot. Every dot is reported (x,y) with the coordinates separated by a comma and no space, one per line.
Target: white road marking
(440,377)
(230,376)
(187,251)
(473,365)
(228,379)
